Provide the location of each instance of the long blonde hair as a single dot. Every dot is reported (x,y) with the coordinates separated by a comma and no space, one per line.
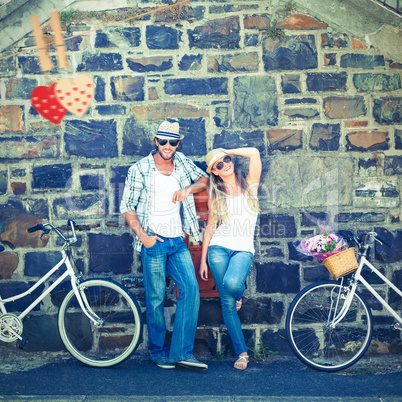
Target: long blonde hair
(218,196)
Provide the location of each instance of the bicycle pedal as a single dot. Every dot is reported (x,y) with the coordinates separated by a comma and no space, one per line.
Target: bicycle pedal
(23,343)
(397,326)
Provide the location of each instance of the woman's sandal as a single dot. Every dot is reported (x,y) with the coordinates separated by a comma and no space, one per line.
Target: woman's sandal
(242,361)
(239,304)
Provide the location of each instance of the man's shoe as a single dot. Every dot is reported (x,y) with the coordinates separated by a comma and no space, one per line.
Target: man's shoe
(193,364)
(162,362)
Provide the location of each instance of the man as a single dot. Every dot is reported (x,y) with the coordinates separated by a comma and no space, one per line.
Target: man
(158,205)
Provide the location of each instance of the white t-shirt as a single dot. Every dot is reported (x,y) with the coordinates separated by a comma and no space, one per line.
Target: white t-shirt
(165,217)
(238,233)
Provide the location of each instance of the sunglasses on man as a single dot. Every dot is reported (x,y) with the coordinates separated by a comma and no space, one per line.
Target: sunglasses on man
(173,143)
(227,159)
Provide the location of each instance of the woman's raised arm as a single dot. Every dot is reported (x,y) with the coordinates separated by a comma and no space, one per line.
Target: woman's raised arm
(255,167)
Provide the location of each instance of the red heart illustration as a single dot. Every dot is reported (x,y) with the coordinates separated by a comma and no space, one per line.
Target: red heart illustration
(44,101)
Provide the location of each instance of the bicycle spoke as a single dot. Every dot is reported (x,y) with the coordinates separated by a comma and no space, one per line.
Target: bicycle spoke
(116,332)
(313,337)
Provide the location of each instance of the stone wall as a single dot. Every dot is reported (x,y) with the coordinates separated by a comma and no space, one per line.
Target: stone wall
(323,108)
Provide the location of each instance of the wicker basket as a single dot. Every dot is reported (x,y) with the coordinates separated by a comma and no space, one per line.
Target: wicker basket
(342,263)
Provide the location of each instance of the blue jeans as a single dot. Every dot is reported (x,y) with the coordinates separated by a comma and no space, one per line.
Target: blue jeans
(171,256)
(230,269)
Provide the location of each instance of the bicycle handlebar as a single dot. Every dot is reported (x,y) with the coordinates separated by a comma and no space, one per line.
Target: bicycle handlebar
(35,228)
(383,240)
(45,226)
(376,237)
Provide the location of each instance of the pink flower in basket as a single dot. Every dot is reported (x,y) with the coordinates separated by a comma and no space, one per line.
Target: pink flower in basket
(321,246)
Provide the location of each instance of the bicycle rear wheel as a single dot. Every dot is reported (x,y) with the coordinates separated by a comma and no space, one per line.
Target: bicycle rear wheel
(309,332)
(117,332)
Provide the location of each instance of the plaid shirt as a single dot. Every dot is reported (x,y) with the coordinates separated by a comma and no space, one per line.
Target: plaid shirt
(138,191)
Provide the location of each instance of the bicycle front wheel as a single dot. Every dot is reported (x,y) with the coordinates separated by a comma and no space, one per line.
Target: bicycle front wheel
(115,331)
(313,339)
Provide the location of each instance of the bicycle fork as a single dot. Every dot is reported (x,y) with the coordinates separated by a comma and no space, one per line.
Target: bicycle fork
(83,302)
(335,317)
(81,297)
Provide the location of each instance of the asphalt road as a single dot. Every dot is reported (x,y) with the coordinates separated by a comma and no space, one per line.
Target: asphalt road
(282,379)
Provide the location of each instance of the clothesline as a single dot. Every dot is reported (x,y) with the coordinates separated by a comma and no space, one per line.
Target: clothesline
(105,26)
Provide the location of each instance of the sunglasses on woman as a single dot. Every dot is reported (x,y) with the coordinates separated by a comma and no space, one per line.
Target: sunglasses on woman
(226,159)
(173,143)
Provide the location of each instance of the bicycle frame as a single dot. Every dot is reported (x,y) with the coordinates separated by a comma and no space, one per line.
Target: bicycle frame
(68,273)
(359,278)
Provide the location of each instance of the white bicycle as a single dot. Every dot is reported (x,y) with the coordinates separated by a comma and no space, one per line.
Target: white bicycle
(329,324)
(99,321)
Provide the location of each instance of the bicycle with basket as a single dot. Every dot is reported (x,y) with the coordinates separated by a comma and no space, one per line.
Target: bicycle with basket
(329,324)
(99,320)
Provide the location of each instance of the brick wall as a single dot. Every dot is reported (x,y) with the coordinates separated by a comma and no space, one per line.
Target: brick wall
(323,108)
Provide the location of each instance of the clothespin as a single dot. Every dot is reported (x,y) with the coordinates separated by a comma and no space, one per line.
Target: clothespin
(44,59)
(60,45)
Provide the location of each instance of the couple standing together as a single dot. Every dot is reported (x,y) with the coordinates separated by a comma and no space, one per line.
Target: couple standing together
(158,205)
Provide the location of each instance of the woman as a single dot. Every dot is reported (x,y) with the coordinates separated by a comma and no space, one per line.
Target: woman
(229,236)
